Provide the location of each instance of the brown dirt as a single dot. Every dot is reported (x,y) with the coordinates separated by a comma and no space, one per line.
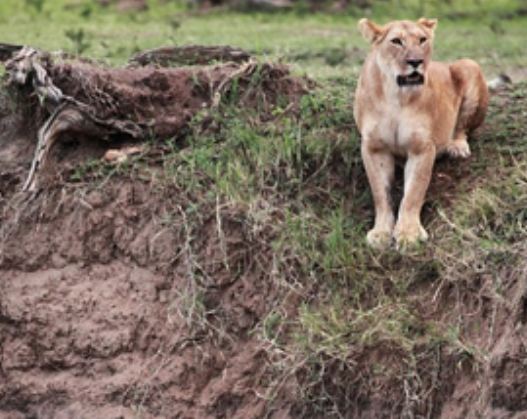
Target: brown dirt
(106,308)
(499,325)
(149,101)
(97,322)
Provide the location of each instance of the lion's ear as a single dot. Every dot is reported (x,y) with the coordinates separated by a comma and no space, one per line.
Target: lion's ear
(369,30)
(428,23)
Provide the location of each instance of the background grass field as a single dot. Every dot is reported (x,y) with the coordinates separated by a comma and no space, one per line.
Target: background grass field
(319,44)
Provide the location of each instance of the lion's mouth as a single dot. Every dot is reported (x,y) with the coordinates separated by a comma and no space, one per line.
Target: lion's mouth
(412,79)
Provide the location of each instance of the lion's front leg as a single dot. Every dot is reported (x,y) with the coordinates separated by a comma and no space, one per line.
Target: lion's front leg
(417,174)
(380,167)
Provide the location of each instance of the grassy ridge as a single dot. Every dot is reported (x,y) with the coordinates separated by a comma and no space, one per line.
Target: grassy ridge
(381,317)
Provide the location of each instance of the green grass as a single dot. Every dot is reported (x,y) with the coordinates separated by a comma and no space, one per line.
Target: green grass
(321,45)
(300,180)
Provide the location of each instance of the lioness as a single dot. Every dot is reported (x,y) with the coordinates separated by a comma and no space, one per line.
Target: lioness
(407,105)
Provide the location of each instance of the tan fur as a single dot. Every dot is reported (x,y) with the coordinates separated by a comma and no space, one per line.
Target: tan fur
(414,121)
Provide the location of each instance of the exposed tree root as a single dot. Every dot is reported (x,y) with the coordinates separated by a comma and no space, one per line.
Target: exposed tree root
(84,98)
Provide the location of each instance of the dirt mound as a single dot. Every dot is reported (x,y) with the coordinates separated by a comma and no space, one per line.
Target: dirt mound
(80,97)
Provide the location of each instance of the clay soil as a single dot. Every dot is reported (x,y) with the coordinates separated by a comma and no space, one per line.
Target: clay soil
(93,290)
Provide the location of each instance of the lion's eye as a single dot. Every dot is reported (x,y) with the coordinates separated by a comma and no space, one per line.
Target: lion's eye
(422,40)
(396,41)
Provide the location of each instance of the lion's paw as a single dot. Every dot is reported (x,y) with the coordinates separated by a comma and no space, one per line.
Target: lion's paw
(458,149)
(379,238)
(409,236)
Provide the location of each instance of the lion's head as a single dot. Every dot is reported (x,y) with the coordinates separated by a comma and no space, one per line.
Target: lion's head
(403,47)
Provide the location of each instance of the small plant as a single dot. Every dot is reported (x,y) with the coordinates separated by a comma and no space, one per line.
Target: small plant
(79,39)
(36,5)
(86,11)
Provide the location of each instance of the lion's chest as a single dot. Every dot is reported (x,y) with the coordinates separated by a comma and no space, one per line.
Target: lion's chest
(399,128)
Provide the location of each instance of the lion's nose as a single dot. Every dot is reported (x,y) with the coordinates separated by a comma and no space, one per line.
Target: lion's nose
(414,63)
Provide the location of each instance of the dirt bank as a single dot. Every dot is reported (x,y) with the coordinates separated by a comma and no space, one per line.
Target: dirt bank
(119,300)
